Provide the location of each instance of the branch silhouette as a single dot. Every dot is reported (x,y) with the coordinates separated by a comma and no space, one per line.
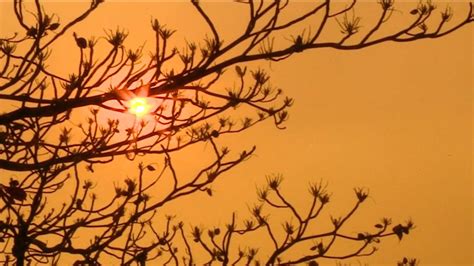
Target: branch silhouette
(41,154)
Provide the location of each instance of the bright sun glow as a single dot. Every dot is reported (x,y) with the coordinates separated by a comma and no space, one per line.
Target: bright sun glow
(139,106)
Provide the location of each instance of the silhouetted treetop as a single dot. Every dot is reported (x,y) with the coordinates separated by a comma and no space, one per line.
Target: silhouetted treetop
(111,101)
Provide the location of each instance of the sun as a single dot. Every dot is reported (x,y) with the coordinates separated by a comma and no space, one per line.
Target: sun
(139,106)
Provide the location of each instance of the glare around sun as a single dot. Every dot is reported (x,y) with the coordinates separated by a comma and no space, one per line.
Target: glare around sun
(139,106)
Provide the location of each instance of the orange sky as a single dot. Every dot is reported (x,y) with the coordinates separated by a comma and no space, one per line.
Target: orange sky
(395,118)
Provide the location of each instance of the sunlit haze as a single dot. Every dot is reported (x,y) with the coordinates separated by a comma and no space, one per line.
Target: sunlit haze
(395,118)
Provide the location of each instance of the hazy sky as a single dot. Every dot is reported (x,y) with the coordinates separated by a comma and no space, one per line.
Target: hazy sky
(395,118)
